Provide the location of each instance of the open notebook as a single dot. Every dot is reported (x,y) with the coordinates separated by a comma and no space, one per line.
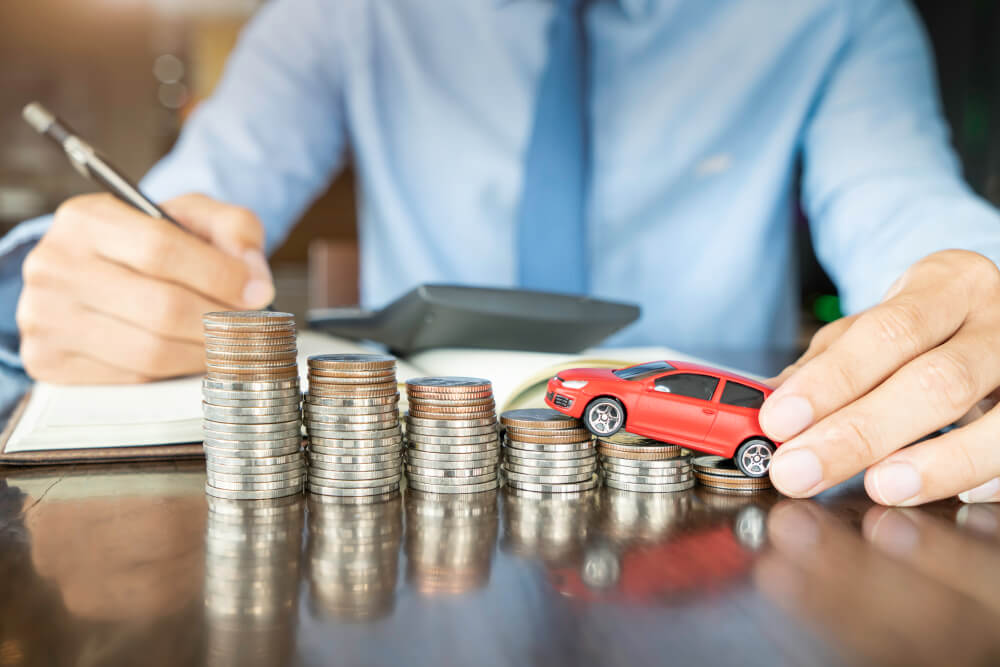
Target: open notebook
(163,419)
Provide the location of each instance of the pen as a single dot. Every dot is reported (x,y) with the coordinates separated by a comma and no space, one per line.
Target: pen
(88,162)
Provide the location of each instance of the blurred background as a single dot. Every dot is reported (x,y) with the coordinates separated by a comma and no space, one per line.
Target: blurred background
(126,73)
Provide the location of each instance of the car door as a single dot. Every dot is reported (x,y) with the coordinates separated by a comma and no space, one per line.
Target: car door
(677,406)
(739,407)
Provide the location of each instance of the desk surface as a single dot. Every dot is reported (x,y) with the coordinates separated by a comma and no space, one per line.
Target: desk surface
(131,564)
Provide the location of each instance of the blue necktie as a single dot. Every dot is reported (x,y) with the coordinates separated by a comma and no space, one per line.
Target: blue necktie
(552,243)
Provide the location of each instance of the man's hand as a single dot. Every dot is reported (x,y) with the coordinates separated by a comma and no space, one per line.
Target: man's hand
(112,295)
(873,383)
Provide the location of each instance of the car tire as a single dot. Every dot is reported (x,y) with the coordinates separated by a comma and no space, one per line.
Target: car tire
(754,456)
(604,417)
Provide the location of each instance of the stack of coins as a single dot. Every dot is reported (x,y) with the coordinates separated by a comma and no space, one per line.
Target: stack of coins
(252,425)
(633,463)
(351,416)
(252,580)
(450,541)
(453,444)
(722,476)
(353,556)
(546,451)
(552,527)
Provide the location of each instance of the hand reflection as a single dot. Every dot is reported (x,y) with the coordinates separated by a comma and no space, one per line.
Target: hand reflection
(119,557)
(862,601)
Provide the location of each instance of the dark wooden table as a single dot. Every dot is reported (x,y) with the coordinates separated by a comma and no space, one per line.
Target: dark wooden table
(132,565)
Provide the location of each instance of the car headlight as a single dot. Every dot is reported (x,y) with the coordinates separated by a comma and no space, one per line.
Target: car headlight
(574,384)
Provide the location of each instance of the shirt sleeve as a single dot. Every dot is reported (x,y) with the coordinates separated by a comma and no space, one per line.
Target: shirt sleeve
(270,137)
(881,184)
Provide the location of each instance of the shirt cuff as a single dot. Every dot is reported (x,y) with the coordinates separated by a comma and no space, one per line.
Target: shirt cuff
(14,247)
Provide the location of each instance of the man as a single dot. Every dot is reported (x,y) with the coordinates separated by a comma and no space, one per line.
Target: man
(635,149)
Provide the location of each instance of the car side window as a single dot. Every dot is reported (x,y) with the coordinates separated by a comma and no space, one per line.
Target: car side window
(742,396)
(691,385)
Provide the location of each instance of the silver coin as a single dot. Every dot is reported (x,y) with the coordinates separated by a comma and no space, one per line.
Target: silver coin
(257,486)
(448,382)
(648,481)
(350,459)
(457,402)
(592,483)
(316,379)
(363,478)
(371,411)
(428,487)
(644,472)
(379,451)
(252,495)
(245,463)
(227,397)
(586,471)
(568,457)
(549,447)
(412,478)
(338,491)
(214,466)
(420,471)
(390,464)
(221,479)
(482,449)
(336,414)
(287,401)
(445,440)
(352,402)
(218,418)
(253,411)
(323,433)
(264,452)
(454,463)
(261,430)
(451,423)
(664,464)
(330,482)
(315,426)
(255,386)
(648,488)
(548,479)
(451,432)
(252,440)
(511,457)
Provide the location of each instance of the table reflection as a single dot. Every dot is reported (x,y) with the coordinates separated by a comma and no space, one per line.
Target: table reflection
(353,556)
(909,573)
(450,541)
(552,528)
(252,580)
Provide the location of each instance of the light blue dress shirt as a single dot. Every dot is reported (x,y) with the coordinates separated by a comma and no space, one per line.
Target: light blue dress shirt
(707,119)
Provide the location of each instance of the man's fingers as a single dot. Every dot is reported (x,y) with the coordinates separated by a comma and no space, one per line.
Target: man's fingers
(962,459)
(163,308)
(926,310)
(69,368)
(163,251)
(819,343)
(99,337)
(231,228)
(926,394)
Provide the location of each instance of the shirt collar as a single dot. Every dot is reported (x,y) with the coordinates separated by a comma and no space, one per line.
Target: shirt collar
(633,9)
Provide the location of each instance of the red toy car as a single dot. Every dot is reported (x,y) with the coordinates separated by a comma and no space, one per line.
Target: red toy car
(694,406)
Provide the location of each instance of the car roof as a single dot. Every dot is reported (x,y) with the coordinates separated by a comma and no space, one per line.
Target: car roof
(688,366)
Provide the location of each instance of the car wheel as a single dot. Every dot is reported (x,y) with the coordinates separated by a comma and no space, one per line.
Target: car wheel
(753,458)
(604,417)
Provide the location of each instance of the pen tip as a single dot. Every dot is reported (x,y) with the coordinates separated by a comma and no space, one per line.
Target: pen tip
(38,117)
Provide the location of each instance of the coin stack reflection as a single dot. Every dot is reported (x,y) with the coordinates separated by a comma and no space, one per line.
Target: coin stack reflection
(353,556)
(451,433)
(450,541)
(252,580)
(721,476)
(633,463)
(352,418)
(627,517)
(551,526)
(252,424)
(548,452)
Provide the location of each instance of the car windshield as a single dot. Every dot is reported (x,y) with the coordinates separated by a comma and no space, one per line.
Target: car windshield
(643,371)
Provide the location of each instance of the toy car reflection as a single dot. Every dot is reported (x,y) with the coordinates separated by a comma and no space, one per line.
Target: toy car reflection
(694,406)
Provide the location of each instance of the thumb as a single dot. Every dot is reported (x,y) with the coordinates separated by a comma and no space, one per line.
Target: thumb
(236,231)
